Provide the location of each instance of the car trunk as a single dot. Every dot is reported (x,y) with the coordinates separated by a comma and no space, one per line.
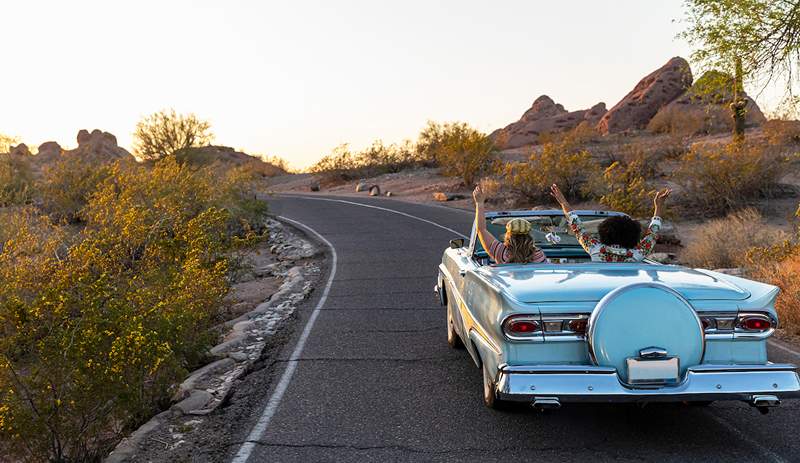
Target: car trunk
(590,282)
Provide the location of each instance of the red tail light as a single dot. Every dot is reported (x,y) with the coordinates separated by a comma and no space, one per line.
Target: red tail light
(523,326)
(755,323)
(578,326)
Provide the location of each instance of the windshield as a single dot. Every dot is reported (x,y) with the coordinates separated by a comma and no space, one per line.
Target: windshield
(543,225)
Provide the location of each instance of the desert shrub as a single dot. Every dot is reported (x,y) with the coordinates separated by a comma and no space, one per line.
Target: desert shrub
(342,164)
(723,242)
(166,132)
(16,180)
(782,132)
(67,184)
(675,120)
(573,170)
(97,324)
(460,150)
(715,180)
(6,142)
(626,190)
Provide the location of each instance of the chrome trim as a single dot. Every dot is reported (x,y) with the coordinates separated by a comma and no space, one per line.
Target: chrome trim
(608,298)
(588,383)
(741,333)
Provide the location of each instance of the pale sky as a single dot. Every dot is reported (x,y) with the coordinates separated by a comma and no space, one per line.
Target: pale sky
(296,78)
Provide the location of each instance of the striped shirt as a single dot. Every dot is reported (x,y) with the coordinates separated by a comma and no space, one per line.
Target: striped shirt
(502,255)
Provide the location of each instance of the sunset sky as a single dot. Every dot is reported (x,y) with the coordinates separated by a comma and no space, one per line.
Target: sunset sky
(296,78)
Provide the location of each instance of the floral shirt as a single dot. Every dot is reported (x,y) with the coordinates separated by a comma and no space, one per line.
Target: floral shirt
(502,255)
(600,252)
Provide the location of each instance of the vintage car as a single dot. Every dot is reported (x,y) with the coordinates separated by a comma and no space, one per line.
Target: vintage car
(572,330)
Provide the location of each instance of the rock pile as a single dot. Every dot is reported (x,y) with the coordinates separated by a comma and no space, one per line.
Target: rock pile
(544,116)
(668,88)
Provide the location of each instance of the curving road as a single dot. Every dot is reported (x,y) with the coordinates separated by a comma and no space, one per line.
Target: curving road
(374,380)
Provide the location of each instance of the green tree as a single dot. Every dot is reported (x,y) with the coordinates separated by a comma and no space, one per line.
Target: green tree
(753,40)
(460,150)
(166,132)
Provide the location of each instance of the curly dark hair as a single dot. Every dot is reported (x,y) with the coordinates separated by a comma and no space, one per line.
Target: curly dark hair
(620,230)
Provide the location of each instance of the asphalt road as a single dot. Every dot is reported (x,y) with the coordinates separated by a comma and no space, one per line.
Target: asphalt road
(376,381)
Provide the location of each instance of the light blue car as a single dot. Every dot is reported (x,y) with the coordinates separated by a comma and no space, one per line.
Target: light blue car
(572,330)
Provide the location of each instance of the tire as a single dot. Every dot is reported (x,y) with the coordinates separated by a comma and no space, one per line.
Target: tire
(490,399)
(453,340)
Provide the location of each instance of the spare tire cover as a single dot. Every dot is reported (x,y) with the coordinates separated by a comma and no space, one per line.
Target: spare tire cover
(642,315)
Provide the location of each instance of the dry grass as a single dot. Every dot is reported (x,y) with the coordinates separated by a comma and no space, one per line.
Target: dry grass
(782,132)
(785,274)
(723,243)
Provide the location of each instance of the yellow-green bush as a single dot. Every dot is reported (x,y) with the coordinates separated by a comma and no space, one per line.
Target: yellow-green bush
(343,164)
(458,149)
(626,189)
(715,180)
(16,180)
(67,184)
(573,170)
(97,323)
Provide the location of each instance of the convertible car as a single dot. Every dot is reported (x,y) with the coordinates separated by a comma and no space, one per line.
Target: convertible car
(572,330)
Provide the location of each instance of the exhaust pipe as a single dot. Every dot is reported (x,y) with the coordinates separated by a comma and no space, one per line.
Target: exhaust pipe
(546,403)
(764,402)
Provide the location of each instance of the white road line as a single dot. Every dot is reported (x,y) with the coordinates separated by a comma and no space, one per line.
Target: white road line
(784,348)
(274,401)
(382,209)
(769,454)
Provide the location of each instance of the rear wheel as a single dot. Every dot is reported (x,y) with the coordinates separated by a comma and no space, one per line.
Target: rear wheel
(452,336)
(490,392)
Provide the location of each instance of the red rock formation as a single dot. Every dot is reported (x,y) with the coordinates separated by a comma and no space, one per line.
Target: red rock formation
(652,93)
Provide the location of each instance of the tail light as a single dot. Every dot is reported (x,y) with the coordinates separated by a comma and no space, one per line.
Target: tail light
(729,323)
(759,323)
(578,325)
(523,326)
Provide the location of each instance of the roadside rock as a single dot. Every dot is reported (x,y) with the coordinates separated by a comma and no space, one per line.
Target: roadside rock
(544,116)
(374,190)
(313,186)
(442,196)
(652,93)
(361,186)
(195,402)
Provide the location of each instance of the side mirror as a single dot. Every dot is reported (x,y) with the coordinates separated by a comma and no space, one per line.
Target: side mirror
(457,243)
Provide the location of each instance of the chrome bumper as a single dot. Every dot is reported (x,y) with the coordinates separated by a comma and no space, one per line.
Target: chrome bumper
(580,383)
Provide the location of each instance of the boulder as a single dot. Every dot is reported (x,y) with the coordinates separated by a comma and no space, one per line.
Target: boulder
(49,151)
(361,186)
(442,196)
(374,190)
(20,150)
(313,186)
(544,116)
(652,93)
(707,102)
(98,146)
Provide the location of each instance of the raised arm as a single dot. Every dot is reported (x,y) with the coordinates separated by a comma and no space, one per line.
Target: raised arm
(585,239)
(487,239)
(648,241)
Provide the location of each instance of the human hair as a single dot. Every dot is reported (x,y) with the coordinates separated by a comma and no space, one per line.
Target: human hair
(521,248)
(621,231)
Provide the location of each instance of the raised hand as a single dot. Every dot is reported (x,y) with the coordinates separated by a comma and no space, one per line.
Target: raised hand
(478,195)
(556,193)
(659,199)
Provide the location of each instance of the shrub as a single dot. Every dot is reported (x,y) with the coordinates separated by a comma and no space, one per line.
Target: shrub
(460,150)
(573,170)
(675,120)
(96,324)
(719,179)
(166,132)
(344,165)
(782,132)
(722,243)
(67,184)
(16,180)
(626,189)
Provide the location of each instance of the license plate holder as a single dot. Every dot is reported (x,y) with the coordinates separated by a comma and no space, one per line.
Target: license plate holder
(653,372)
